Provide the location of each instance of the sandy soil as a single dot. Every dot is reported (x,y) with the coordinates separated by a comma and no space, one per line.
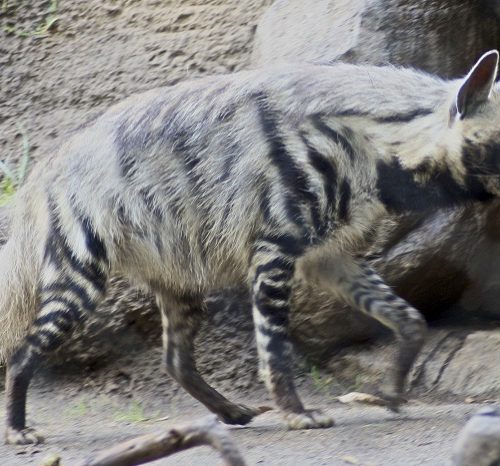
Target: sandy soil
(79,419)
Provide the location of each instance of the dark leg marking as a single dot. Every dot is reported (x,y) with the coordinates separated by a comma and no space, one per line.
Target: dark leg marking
(275,256)
(181,320)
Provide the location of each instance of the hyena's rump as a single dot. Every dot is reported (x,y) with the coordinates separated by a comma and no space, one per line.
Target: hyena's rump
(236,179)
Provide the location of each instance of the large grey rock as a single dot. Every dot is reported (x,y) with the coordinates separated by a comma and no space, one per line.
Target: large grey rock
(474,369)
(438,36)
(478,443)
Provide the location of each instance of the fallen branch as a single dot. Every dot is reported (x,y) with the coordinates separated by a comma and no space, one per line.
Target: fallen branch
(150,447)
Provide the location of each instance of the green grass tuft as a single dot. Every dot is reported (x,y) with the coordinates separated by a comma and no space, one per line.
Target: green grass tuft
(14,176)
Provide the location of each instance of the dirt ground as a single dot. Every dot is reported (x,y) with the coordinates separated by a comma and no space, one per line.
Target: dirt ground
(82,413)
(60,64)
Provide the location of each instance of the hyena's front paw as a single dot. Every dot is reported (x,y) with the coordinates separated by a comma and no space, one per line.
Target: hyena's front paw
(393,401)
(22,437)
(309,419)
(241,414)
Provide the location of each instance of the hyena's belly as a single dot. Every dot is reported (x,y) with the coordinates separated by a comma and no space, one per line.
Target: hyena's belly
(173,260)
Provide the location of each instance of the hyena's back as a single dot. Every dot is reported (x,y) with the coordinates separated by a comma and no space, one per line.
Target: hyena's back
(179,189)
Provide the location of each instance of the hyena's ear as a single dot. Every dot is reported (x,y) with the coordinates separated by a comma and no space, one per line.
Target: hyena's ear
(477,86)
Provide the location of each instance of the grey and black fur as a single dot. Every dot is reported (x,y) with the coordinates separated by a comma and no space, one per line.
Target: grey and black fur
(241,179)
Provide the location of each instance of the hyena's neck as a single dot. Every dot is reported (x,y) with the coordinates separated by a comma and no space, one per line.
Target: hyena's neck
(420,164)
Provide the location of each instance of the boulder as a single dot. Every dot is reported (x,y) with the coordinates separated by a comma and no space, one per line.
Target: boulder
(443,37)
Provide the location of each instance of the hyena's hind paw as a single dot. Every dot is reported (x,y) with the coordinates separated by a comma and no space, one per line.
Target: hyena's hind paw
(309,419)
(241,414)
(23,437)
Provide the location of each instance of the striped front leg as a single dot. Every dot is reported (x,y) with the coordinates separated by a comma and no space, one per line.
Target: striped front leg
(372,296)
(363,288)
(274,264)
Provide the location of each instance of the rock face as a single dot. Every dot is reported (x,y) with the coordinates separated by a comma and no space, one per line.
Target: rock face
(468,372)
(478,443)
(442,37)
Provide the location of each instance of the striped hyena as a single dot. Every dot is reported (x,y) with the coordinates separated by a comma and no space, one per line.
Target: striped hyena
(234,179)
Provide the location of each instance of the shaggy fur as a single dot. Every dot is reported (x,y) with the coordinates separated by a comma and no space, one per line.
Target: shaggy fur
(227,180)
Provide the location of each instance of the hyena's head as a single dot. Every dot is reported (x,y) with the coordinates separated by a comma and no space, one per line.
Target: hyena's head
(475,119)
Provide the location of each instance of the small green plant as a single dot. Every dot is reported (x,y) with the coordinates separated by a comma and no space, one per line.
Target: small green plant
(134,413)
(50,20)
(43,29)
(13,177)
(80,409)
(15,31)
(320,382)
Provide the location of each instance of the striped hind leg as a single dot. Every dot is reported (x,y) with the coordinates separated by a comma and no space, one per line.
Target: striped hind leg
(181,318)
(72,284)
(367,291)
(273,266)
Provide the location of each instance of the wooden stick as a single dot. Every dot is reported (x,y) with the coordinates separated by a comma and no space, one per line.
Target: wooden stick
(150,447)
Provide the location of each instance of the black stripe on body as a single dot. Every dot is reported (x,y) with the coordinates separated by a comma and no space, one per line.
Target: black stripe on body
(149,200)
(480,160)
(334,136)
(265,202)
(58,252)
(229,155)
(403,117)
(95,245)
(326,169)
(294,180)
(183,147)
(328,172)
(344,201)
(400,192)
(132,139)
